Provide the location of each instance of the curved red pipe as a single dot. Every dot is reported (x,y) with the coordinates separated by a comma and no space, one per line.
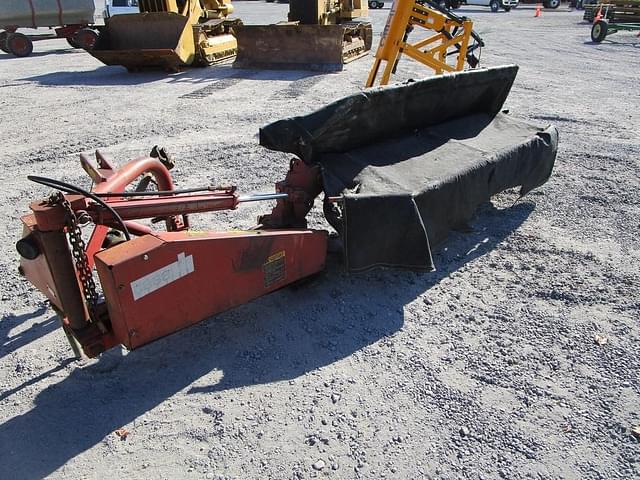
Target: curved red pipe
(118,182)
(126,174)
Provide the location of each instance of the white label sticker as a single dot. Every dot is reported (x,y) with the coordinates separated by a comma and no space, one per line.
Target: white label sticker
(164,276)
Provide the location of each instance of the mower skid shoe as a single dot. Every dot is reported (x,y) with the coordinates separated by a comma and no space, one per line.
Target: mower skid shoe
(146,40)
(290,47)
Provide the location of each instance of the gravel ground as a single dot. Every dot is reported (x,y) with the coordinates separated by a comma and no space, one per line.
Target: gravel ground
(487,368)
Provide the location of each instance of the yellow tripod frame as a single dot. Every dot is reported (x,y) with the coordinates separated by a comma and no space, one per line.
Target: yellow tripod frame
(452,36)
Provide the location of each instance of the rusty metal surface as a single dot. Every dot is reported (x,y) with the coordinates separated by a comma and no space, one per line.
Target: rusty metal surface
(132,209)
(302,185)
(56,251)
(146,40)
(156,285)
(53,271)
(290,47)
(37,270)
(46,13)
(134,59)
(143,31)
(118,179)
(109,179)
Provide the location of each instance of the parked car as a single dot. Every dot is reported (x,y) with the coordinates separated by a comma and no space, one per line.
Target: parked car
(551,3)
(373,4)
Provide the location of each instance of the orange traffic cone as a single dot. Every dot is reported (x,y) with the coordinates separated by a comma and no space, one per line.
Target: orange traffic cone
(598,16)
(538,10)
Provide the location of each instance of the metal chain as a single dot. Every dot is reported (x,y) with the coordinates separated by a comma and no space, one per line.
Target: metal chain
(79,255)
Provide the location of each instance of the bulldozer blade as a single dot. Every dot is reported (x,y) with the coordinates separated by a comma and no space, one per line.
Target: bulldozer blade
(135,41)
(322,48)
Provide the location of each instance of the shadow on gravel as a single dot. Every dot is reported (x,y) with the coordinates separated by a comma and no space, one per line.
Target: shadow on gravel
(105,76)
(278,337)
(9,322)
(34,380)
(607,42)
(7,56)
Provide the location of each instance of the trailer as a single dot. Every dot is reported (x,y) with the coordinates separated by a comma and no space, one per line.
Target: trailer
(611,17)
(70,19)
(602,28)
(615,11)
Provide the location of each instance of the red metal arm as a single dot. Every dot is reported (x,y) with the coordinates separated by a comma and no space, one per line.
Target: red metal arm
(163,206)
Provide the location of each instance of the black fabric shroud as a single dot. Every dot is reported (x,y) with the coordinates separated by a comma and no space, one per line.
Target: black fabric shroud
(415,160)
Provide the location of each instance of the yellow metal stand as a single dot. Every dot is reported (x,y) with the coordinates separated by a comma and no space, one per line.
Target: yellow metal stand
(451,38)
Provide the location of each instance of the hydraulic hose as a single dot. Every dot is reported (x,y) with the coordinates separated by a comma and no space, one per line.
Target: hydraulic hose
(68,188)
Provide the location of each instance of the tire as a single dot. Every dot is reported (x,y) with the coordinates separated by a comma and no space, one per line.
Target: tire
(3,42)
(552,4)
(85,38)
(20,45)
(507,9)
(599,31)
(494,5)
(72,42)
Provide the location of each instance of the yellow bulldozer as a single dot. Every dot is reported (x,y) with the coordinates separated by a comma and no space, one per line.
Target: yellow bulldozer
(169,34)
(319,35)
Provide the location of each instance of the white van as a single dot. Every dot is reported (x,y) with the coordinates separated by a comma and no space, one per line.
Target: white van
(494,5)
(119,7)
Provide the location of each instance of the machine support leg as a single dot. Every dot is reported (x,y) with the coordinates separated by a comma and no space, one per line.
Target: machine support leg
(56,250)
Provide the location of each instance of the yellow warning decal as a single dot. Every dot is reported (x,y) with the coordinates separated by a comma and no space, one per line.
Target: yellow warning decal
(275,256)
(197,233)
(274,269)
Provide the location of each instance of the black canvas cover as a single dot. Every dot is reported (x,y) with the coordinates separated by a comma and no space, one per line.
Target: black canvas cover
(413,161)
